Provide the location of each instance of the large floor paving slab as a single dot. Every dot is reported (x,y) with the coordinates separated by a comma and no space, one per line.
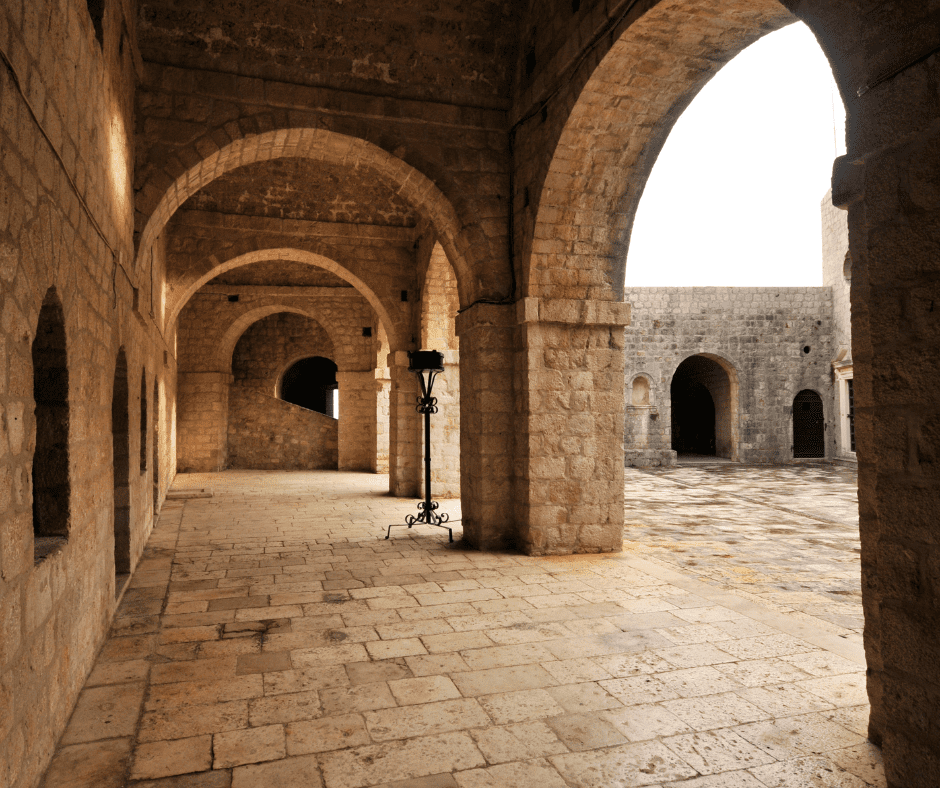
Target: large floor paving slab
(273,636)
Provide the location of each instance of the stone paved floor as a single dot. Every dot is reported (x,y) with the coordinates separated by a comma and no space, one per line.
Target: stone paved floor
(786,536)
(272,637)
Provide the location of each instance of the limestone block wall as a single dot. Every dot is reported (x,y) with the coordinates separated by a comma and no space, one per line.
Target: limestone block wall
(269,434)
(761,335)
(66,238)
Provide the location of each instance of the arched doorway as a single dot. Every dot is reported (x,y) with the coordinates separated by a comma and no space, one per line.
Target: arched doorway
(311,384)
(809,426)
(703,397)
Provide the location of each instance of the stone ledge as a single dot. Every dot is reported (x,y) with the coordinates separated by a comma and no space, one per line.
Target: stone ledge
(573,312)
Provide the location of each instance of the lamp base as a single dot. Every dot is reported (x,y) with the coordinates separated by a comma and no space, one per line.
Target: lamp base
(427,515)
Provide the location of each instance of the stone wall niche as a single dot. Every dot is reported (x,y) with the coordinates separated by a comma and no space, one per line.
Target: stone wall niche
(51,485)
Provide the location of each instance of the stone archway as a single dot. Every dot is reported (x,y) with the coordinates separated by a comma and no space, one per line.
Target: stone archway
(241,258)
(605,128)
(608,143)
(165,192)
(704,394)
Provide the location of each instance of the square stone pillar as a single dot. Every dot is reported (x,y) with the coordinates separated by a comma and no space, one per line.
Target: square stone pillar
(202,421)
(357,420)
(893,199)
(383,385)
(569,454)
(405,448)
(487,422)
(445,431)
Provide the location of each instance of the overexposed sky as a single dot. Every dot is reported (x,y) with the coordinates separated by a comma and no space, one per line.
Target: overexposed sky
(734,196)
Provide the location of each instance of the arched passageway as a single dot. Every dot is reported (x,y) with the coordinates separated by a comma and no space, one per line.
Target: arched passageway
(310,383)
(120,442)
(809,425)
(704,408)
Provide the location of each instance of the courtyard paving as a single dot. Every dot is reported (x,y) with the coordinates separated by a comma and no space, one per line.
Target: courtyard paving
(271,636)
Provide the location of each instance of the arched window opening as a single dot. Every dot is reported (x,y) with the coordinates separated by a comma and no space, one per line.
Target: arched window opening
(703,409)
(809,426)
(51,486)
(311,384)
(155,445)
(120,442)
(143,421)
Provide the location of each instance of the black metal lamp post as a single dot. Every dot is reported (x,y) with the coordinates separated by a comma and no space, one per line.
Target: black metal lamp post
(432,362)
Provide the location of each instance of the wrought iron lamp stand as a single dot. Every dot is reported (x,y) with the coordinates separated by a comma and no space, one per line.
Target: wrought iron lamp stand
(432,362)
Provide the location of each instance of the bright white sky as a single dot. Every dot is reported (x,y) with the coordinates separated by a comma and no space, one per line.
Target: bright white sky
(734,197)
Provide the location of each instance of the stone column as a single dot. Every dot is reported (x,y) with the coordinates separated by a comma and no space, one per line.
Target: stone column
(383,385)
(202,421)
(569,483)
(487,423)
(357,420)
(405,449)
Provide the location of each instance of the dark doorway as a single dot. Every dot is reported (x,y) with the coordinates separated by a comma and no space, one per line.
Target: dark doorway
(809,425)
(310,384)
(693,417)
(51,457)
(704,399)
(121,453)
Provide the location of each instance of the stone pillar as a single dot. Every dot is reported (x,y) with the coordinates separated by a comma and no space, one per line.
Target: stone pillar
(487,403)
(893,198)
(202,421)
(445,431)
(383,386)
(570,452)
(405,449)
(357,420)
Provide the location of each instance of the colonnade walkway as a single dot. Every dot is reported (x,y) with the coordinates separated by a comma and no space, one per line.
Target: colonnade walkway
(271,636)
